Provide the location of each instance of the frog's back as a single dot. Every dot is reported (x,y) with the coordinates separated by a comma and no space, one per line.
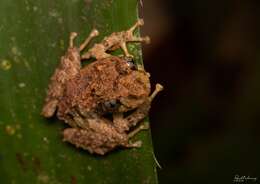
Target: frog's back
(95,84)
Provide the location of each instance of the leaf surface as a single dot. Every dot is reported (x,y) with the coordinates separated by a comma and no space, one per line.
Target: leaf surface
(33,36)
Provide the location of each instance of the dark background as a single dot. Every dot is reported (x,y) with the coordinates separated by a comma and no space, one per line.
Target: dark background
(205,124)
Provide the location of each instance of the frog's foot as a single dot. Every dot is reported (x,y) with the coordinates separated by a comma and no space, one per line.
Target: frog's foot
(125,50)
(92,34)
(73,35)
(145,39)
(136,144)
(130,33)
(129,37)
(137,130)
(139,23)
(158,88)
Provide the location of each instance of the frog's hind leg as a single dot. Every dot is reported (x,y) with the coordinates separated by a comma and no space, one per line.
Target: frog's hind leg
(49,108)
(122,126)
(83,138)
(92,34)
(99,138)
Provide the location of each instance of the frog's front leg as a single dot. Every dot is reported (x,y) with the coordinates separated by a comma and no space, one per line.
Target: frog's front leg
(123,124)
(141,112)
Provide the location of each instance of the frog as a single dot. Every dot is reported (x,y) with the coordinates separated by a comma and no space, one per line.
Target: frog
(104,101)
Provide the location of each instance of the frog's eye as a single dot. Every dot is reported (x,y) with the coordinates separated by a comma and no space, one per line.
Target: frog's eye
(131,64)
(111,104)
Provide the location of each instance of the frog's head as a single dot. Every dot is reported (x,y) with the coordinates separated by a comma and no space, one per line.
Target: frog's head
(131,88)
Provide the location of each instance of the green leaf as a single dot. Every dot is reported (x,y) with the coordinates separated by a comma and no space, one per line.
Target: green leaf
(33,36)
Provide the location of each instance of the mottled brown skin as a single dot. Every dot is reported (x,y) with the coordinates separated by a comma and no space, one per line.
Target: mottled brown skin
(109,79)
(114,41)
(82,97)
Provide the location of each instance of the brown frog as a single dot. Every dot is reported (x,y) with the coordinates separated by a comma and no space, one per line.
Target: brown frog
(104,99)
